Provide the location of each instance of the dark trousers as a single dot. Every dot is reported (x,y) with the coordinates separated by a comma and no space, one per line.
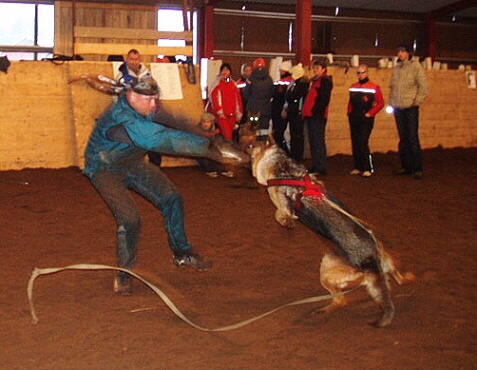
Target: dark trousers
(208,165)
(297,143)
(152,184)
(407,121)
(360,129)
(279,128)
(316,136)
(155,158)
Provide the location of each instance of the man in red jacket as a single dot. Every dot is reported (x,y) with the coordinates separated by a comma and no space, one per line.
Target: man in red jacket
(365,101)
(315,114)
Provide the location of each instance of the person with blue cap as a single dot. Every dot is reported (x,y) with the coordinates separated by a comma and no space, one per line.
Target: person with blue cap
(114,163)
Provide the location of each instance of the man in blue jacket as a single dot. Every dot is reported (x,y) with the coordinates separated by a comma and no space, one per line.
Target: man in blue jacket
(114,163)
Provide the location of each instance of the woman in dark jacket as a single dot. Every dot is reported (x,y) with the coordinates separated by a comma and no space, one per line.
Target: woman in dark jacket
(258,95)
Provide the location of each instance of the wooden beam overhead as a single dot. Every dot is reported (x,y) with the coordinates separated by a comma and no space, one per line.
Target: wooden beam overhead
(453,8)
(118,49)
(131,33)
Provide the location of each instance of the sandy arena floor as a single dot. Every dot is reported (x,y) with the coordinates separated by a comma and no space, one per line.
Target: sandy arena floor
(58,219)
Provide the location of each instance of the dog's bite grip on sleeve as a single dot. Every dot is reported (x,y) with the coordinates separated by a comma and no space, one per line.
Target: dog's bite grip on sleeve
(223,151)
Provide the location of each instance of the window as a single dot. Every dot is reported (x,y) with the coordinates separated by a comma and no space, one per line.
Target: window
(26,30)
(172,20)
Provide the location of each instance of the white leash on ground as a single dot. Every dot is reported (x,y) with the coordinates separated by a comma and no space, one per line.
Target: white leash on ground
(45,271)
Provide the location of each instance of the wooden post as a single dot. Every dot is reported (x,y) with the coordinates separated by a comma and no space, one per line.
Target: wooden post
(209,31)
(303,31)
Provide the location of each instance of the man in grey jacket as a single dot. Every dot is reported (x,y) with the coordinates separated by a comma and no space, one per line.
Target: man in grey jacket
(408,91)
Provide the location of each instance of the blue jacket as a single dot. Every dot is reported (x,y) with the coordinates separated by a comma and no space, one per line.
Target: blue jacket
(122,136)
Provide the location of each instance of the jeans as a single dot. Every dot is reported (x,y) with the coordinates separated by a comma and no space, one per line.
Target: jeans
(279,128)
(316,136)
(360,129)
(296,137)
(407,121)
(151,183)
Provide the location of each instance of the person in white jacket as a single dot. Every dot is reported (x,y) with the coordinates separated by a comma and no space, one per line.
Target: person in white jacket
(132,69)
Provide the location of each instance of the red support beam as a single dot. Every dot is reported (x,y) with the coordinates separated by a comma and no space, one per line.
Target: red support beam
(431,22)
(431,26)
(208,40)
(303,31)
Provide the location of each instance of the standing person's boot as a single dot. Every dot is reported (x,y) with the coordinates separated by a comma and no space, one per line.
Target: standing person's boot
(122,283)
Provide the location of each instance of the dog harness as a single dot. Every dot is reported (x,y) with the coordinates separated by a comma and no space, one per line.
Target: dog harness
(310,189)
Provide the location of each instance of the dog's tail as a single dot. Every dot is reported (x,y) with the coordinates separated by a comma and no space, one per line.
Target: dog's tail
(355,242)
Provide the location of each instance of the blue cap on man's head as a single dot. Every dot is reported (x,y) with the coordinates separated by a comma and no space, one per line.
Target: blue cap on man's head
(145,86)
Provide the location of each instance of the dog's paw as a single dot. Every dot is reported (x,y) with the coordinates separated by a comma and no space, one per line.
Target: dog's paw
(286,222)
(408,277)
(284,218)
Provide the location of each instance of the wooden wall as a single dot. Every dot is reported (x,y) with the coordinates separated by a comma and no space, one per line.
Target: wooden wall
(447,118)
(121,16)
(45,122)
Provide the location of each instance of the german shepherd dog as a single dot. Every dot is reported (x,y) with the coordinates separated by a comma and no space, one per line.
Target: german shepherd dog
(357,259)
(247,133)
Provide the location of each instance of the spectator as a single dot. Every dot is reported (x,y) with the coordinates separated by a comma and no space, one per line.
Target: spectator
(242,83)
(226,102)
(315,114)
(408,91)
(210,167)
(294,99)
(365,101)
(258,95)
(279,121)
(132,68)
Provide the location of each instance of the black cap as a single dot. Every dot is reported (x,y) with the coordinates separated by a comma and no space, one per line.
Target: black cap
(404,48)
(145,86)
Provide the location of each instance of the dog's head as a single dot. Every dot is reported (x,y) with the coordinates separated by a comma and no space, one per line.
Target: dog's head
(248,131)
(252,120)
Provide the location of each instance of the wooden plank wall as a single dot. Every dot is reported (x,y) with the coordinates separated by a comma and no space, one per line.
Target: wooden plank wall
(45,122)
(102,15)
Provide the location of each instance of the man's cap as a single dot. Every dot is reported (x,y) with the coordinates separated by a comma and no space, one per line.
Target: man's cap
(297,71)
(286,66)
(404,48)
(207,117)
(145,86)
(258,63)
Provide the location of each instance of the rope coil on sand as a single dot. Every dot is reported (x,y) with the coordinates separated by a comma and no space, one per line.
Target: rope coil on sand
(46,271)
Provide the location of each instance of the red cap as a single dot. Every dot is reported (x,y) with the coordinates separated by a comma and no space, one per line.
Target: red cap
(258,63)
